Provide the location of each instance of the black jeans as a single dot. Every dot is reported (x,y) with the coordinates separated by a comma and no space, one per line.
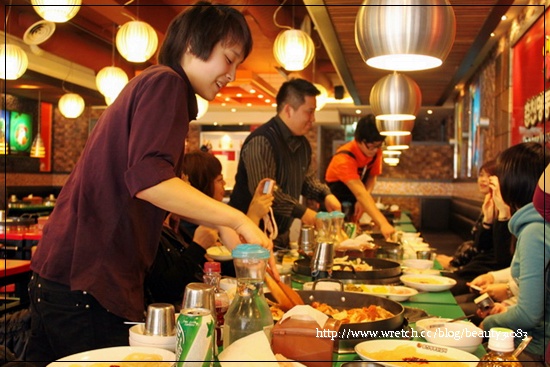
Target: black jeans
(65,322)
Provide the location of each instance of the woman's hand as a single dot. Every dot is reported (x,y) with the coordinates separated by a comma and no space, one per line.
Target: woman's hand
(496,309)
(488,208)
(260,204)
(482,280)
(502,208)
(498,292)
(206,237)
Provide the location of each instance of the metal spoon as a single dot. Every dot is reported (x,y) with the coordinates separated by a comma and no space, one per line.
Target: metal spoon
(522,346)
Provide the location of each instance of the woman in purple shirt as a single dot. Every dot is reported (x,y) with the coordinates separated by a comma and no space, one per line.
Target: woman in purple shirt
(103,235)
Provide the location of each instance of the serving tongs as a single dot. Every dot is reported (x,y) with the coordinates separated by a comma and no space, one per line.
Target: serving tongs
(284,295)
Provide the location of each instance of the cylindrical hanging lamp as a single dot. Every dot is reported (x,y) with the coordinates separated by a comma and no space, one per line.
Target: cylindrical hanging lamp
(136,41)
(110,80)
(391,161)
(405,34)
(394,127)
(395,97)
(13,61)
(293,49)
(58,11)
(398,142)
(71,105)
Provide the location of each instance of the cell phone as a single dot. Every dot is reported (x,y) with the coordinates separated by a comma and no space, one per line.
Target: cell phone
(268,187)
(475,288)
(484,302)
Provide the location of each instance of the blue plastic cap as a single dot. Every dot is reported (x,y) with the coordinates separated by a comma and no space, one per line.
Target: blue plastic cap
(337,214)
(322,215)
(249,251)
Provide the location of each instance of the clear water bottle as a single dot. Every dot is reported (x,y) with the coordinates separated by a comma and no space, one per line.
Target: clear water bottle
(212,276)
(501,348)
(249,311)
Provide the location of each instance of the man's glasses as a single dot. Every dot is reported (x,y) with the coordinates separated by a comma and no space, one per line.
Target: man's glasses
(373,146)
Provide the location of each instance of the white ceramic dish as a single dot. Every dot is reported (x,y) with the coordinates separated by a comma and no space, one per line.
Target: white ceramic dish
(395,293)
(428,283)
(424,324)
(461,335)
(418,264)
(421,350)
(114,354)
(407,270)
(219,253)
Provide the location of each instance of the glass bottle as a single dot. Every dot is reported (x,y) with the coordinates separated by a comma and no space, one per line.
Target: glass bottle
(212,276)
(249,311)
(501,348)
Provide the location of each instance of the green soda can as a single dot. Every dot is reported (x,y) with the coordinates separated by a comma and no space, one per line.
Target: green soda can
(195,330)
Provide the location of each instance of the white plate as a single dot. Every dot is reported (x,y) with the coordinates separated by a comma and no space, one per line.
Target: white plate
(407,270)
(421,350)
(114,354)
(428,283)
(395,293)
(219,253)
(424,324)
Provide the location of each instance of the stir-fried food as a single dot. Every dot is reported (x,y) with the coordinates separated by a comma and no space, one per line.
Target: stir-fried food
(346,264)
(354,315)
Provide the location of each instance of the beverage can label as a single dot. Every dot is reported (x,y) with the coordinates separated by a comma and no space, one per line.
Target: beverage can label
(195,329)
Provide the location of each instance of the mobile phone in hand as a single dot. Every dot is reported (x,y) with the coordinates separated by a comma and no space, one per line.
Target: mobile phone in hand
(484,302)
(268,187)
(475,288)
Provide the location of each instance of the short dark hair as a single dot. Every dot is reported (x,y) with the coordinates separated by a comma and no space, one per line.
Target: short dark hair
(366,130)
(200,28)
(293,92)
(518,169)
(489,167)
(202,169)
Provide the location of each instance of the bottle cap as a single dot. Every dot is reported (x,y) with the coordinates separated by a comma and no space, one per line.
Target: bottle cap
(248,251)
(501,339)
(212,266)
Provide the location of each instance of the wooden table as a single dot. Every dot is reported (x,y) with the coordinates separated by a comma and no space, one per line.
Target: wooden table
(16,272)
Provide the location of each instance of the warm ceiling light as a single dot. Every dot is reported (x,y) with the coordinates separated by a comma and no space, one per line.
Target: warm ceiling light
(391,161)
(293,49)
(136,41)
(394,127)
(398,142)
(202,106)
(405,34)
(395,97)
(504,17)
(322,97)
(110,80)
(58,11)
(38,149)
(71,105)
(13,61)
(429,112)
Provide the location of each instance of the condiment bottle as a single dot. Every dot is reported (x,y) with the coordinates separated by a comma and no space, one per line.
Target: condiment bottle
(249,311)
(212,276)
(501,348)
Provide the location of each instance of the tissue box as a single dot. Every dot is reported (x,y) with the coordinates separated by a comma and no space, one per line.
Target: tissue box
(304,341)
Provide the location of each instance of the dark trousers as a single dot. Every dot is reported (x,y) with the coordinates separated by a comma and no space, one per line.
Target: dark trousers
(65,322)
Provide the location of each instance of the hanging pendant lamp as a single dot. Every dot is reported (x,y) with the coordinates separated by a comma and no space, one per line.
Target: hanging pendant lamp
(398,142)
(136,41)
(110,81)
(58,11)
(13,61)
(293,49)
(394,127)
(395,97)
(405,34)
(71,105)
(38,149)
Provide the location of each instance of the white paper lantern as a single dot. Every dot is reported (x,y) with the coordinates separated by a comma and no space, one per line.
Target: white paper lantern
(71,105)
(136,41)
(293,49)
(13,61)
(58,11)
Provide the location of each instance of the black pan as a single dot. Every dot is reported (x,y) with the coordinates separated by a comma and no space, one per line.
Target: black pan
(381,269)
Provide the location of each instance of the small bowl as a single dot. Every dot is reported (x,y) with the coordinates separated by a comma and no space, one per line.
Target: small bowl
(418,264)
(138,338)
(461,335)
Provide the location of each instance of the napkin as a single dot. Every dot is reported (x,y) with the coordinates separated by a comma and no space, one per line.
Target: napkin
(254,349)
(356,243)
(306,312)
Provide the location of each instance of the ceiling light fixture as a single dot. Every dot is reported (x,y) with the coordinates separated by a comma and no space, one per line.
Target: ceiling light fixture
(202,106)
(390,161)
(13,60)
(136,41)
(58,11)
(111,79)
(293,48)
(394,127)
(71,105)
(405,34)
(398,142)
(395,97)
(38,149)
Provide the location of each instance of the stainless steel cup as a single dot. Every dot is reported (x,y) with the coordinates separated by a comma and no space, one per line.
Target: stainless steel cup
(286,278)
(323,258)
(395,253)
(306,242)
(161,319)
(199,295)
(427,254)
